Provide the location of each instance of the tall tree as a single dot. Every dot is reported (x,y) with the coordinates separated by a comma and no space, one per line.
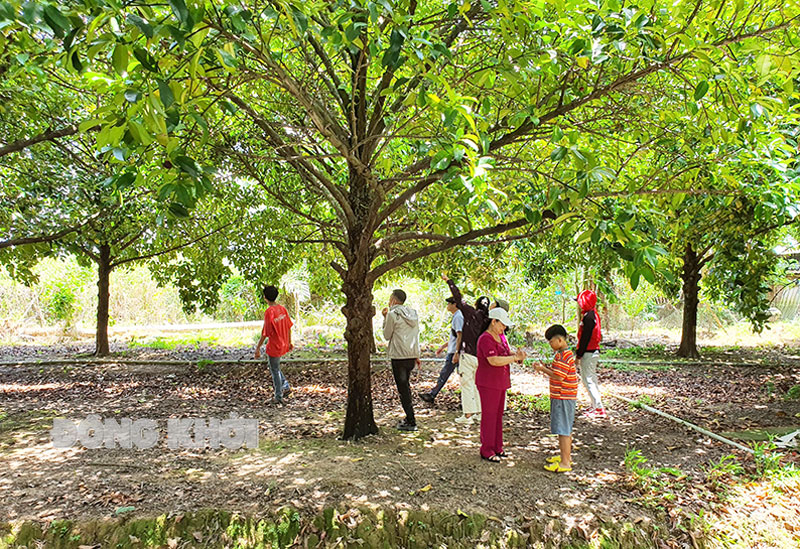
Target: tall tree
(406,124)
(722,223)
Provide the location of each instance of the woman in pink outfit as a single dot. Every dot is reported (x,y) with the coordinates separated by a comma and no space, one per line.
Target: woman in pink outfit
(493,379)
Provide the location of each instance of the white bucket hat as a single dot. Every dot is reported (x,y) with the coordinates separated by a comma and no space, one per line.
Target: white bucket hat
(501,315)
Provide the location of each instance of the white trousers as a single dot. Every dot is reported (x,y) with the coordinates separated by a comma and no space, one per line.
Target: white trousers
(589,362)
(470,399)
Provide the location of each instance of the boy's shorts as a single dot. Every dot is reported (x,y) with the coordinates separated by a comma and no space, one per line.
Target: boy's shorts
(562,416)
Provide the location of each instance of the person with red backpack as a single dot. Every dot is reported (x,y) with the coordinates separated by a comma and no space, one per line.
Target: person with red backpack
(587,355)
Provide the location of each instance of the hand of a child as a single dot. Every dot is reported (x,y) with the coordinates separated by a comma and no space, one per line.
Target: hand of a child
(258,354)
(385,311)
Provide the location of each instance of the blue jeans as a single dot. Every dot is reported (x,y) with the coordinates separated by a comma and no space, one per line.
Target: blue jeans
(444,375)
(278,380)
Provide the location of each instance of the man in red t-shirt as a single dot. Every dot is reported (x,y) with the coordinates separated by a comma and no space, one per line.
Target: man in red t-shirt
(278,331)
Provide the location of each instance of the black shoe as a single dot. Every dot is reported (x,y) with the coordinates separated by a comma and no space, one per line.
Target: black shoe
(403,426)
(427,397)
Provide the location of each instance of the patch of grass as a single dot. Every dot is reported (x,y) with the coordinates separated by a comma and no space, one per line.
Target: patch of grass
(170,343)
(793,393)
(643,399)
(334,415)
(30,420)
(759,512)
(626,367)
(520,402)
(726,468)
(652,351)
(286,527)
(767,459)
(657,485)
(203,364)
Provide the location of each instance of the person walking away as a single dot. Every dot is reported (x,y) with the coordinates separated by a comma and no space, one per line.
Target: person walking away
(587,355)
(563,395)
(401,330)
(493,379)
(475,319)
(277,330)
(452,346)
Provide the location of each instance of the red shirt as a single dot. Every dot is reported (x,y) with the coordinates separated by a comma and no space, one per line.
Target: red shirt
(566,386)
(278,328)
(494,377)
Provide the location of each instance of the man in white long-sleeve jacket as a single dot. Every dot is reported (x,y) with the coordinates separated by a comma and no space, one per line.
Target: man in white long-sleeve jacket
(401,330)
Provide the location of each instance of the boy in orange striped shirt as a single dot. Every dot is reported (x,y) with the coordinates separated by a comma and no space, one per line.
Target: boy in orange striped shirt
(563,395)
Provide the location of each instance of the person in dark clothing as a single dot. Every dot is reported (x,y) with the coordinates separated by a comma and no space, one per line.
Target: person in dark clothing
(587,355)
(475,319)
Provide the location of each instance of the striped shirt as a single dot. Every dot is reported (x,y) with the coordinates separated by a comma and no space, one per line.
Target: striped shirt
(565,387)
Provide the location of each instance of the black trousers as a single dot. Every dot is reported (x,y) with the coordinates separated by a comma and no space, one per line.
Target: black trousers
(401,368)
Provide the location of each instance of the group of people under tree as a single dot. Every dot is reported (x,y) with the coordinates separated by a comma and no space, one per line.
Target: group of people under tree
(479,349)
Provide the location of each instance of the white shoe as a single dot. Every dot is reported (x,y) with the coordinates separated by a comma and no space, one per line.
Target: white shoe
(476,418)
(464,420)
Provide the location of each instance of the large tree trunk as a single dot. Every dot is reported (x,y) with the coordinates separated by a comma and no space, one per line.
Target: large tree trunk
(691,299)
(103,276)
(358,311)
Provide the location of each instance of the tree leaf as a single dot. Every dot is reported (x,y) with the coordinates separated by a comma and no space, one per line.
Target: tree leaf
(75,61)
(558,154)
(141,24)
(56,20)
(133,95)
(119,58)
(178,210)
(144,57)
(188,165)
(181,12)
(533,216)
(164,91)
(300,20)
(635,279)
(756,110)
(701,90)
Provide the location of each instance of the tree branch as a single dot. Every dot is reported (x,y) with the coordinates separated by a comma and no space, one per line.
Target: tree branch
(115,264)
(50,135)
(299,162)
(465,238)
(46,238)
(525,128)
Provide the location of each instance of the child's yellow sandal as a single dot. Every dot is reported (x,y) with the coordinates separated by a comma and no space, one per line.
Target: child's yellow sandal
(556,468)
(555,459)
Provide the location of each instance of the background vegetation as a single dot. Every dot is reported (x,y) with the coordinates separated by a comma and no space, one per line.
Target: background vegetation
(64,301)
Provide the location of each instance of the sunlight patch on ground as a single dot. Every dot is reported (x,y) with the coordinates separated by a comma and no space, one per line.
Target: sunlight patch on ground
(319,389)
(21,458)
(633,390)
(758,512)
(32,388)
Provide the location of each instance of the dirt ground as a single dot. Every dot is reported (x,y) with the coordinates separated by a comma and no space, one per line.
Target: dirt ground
(301,462)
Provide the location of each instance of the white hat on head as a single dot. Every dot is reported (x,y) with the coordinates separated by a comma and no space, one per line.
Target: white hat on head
(501,315)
